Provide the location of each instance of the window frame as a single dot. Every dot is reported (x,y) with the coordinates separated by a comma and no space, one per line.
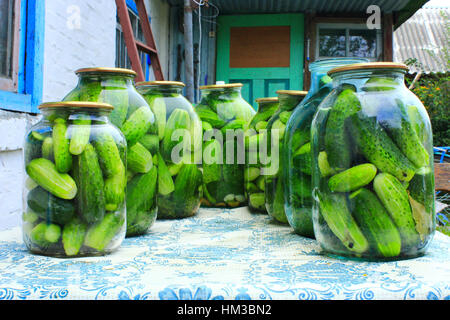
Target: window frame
(145,58)
(10,84)
(28,93)
(347,27)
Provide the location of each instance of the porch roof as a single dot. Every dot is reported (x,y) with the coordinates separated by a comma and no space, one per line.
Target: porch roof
(403,9)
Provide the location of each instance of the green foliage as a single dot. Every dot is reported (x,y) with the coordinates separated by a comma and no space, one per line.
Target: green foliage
(434,92)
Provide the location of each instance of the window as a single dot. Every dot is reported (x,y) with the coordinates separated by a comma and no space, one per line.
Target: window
(350,40)
(9,43)
(122,60)
(21,54)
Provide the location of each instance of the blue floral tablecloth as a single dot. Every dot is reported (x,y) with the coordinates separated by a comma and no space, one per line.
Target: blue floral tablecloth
(220,254)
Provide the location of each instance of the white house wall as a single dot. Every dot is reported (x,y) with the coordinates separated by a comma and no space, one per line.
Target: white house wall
(78,33)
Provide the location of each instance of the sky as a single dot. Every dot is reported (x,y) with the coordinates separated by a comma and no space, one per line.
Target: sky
(437,3)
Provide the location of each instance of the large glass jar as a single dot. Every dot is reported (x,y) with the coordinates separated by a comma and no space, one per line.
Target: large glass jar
(179,136)
(75,182)
(134,118)
(254,181)
(272,171)
(297,146)
(225,116)
(372,166)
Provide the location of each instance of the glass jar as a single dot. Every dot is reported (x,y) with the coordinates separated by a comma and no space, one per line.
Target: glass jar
(372,166)
(134,118)
(75,182)
(297,146)
(179,136)
(272,171)
(254,181)
(225,116)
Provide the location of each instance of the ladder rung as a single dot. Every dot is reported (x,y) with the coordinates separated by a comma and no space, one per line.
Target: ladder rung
(143,47)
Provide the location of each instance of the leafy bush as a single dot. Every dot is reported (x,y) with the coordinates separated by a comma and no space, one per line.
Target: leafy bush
(434,92)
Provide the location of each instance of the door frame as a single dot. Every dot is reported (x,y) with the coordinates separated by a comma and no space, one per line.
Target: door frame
(294,72)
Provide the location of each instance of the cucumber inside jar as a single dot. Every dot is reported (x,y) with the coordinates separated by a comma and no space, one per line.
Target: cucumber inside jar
(177,140)
(65,203)
(137,122)
(273,170)
(381,168)
(254,181)
(225,117)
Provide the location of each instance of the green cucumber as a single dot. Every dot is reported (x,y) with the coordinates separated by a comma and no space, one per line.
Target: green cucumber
(261,125)
(324,166)
(353,178)
(33,143)
(174,168)
(63,158)
(140,196)
(337,143)
(80,133)
(165,182)
(45,174)
(376,223)
(187,182)
(334,209)
(380,84)
(73,236)
(302,158)
(378,148)
(50,208)
(114,191)
(284,116)
(257,201)
(150,142)
(47,149)
(210,117)
(421,188)
(252,173)
(44,234)
(139,159)
(280,126)
(158,107)
(91,198)
(407,140)
(100,234)
(233,125)
(178,120)
(118,97)
(109,155)
(395,199)
(137,125)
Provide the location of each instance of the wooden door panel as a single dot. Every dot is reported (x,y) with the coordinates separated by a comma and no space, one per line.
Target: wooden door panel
(264,52)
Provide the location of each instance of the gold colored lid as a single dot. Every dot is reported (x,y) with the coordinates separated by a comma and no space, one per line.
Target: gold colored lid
(369,65)
(160,83)
(293,92)
(106,70)
(219,86)
(268,99)
(76,104)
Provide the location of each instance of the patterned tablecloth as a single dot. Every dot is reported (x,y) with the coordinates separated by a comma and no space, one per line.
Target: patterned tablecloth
(220,254)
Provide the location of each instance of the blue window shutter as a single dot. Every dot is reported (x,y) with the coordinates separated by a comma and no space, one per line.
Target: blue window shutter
(31,59)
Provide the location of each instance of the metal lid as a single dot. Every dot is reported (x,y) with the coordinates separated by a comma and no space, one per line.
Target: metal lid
(160,83)
(369,65)
(293,92)
(268,99)
(76,104)
(219,86)
(106,70)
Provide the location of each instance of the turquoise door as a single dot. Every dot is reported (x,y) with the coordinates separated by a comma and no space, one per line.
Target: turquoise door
(264,52)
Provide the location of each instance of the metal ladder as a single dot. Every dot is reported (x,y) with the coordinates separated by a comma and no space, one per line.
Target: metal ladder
(134,46)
